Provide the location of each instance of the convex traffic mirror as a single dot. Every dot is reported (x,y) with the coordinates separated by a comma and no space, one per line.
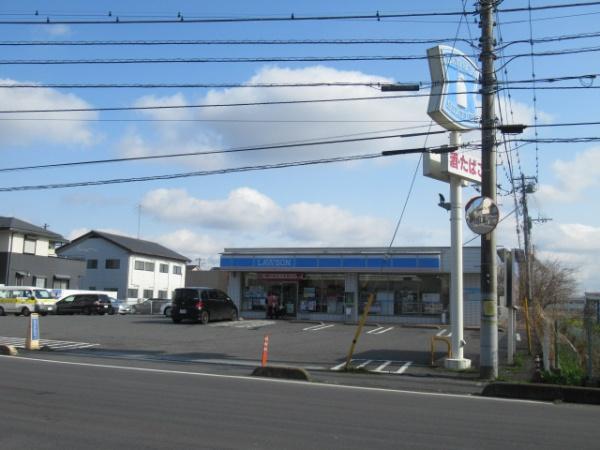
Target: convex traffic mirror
(482,215)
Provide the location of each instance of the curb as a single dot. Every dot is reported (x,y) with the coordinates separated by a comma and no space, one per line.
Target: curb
(8,350)
(543,392)
(290,373)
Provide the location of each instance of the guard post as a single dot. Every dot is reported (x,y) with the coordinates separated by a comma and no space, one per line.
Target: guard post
(33,333)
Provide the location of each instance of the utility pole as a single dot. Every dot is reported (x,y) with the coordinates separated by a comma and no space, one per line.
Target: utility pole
(528,186)
(488,366)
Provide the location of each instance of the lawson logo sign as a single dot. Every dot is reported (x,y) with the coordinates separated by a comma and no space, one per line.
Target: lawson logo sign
(418,262)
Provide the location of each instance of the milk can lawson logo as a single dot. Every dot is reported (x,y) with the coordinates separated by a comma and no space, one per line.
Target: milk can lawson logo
(274,262)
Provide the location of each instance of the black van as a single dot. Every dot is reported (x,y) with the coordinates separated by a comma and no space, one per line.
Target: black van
(202,304)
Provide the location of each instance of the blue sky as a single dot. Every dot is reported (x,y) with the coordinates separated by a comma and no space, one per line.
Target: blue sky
(345,204)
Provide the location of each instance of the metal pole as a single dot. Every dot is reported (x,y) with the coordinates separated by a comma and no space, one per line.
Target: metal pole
(488,368)
(510,351)
(456,360)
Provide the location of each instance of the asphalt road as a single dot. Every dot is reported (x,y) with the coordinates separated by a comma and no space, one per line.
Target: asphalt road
(53,405)
(306,344)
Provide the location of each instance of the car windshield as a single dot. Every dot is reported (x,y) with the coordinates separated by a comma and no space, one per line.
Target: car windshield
(42,294)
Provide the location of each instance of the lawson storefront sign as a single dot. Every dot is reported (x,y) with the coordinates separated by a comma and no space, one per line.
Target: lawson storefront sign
(329,263)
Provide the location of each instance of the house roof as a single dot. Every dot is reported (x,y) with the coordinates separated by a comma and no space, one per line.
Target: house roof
(132,245)
(14,224)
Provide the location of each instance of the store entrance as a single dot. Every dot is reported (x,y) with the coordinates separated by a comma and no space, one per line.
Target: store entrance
(288,297)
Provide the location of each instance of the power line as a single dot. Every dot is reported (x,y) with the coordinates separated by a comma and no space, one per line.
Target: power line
(212,105)
(181,19)
(213,152)
(268,42)
(215,60)
(547,7)
(443,149)
(374,84)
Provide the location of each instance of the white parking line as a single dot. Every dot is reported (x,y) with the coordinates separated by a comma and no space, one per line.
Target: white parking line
(383,366)
(313,326)
(368,361)
(374,330)
(54,345)
(384,331)
(404,367)
(339,366)
(317,328)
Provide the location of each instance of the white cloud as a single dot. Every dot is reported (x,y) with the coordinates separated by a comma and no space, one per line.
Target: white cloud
(26,132)
(249,211)
(210,128)
(193,245)
(244,209)
(574,177)
(575,245)
(57,30)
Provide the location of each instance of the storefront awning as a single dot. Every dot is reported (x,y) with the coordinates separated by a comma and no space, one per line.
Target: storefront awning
(20,273)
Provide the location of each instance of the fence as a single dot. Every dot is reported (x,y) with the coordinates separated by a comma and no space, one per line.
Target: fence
(571,345)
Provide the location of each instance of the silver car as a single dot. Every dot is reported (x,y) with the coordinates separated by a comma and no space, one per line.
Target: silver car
(152,306)
(118,307)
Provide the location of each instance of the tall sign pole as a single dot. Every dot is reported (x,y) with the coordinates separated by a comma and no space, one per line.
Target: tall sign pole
(453,105)
(488,367)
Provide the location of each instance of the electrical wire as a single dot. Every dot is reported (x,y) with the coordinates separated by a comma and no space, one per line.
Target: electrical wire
(222,151)
(443,149)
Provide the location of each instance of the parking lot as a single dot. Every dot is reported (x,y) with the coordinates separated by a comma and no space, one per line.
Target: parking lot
(385,348)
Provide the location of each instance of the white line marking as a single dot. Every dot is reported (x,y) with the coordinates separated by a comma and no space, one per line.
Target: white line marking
(385,331)
(339,366)
(383,366)
(360,366)
(374,330)
(276,380)
(441,332)
(320,327)
(313,326)
(404,367)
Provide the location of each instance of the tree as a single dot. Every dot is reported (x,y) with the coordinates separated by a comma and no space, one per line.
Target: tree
(552,282)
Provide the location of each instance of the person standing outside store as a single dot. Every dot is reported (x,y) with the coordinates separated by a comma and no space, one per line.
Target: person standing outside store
(272,305)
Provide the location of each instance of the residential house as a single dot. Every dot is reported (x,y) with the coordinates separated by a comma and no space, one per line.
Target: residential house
(136,268)
(28,257)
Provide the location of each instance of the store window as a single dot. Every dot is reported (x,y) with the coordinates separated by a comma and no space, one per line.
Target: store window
(254,296)
(399,294)
(322,293)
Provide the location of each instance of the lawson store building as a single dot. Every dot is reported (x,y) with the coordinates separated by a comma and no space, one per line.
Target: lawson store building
(410,284)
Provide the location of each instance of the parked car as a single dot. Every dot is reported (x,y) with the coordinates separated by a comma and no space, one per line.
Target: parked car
(24,300)
(118,306)
(151,306)
(202,304)
(84,304)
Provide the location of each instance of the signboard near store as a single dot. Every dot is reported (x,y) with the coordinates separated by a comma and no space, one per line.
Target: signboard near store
(455,82)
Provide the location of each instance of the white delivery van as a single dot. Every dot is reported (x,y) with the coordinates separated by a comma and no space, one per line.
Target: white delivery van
(24,300)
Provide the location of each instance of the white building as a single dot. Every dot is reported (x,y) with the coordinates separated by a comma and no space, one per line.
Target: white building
(135,268)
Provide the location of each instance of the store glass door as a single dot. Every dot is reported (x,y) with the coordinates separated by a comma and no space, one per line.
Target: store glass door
(288,297)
